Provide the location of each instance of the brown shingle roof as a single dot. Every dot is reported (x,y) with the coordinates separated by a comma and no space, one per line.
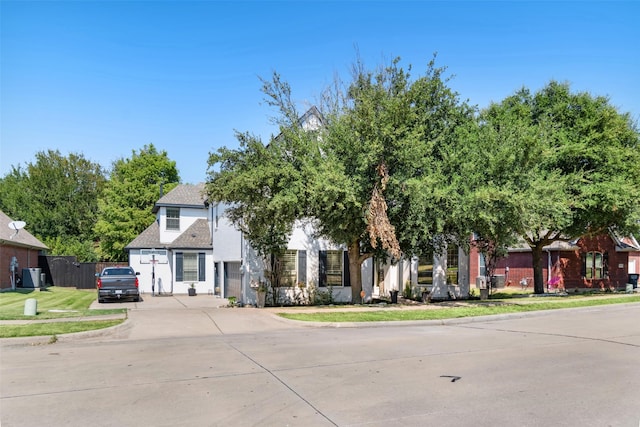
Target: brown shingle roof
(21,238)
(197,236)
(148,239)
(184,195)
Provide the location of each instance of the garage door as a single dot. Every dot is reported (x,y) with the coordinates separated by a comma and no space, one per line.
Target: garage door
(232,280)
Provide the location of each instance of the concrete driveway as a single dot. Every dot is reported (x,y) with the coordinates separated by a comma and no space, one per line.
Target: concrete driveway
(185,316)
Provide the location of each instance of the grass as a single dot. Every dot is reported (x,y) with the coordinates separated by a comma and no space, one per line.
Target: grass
(469,309)
(52,303)
(67,302)
(54,329)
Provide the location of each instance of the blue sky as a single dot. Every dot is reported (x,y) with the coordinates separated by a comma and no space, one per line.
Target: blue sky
(103,78)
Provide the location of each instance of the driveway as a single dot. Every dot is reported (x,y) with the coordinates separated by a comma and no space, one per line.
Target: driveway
(185,316)
(194,364)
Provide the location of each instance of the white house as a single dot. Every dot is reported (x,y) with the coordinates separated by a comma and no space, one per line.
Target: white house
(192,242)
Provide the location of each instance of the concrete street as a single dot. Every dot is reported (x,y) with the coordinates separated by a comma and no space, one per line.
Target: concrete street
(180,361)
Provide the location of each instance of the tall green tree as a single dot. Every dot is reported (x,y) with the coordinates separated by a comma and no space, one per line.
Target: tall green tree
(387,148)
(263,185)
(125,208)
(57,196)
(369,177)
(490,166)
(571,166)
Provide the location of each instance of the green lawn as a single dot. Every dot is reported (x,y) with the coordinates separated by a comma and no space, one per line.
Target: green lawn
(53,329)
(468,309)
(53,303)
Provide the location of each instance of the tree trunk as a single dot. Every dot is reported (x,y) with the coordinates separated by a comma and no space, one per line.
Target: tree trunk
(538,280)
(355,272)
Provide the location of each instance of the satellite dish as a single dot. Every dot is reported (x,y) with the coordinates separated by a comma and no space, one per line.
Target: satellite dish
(17,225)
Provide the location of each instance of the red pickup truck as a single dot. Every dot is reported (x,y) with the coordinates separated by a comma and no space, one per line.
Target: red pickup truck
(118,283)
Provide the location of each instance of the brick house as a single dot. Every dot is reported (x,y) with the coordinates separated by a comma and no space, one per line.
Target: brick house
(16,245)
(588,263)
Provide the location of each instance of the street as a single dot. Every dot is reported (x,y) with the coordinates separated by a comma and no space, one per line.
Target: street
(575,367)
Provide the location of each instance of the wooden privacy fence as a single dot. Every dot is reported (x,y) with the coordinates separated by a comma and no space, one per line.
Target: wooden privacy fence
(66,271)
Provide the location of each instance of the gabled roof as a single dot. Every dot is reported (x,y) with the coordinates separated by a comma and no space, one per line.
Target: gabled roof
(198,236)
(309,121)
(184,195)
(312,119)
(625,244)
(148,239)
(9,236)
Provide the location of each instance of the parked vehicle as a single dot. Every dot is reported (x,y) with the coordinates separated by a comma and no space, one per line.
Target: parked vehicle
(117,283)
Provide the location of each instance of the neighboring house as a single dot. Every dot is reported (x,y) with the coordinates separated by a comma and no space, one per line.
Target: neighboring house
(603,262)
(176,250)
(18,247)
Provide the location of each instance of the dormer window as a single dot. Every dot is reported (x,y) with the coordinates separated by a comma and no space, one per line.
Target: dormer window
(173,219)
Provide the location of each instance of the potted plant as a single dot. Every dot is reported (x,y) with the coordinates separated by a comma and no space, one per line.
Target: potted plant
(192,290)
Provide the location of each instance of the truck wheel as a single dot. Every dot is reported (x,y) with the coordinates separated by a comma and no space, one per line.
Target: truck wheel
(100,300)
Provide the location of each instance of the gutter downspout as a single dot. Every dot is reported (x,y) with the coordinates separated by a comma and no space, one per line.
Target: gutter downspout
(243,288)
(549,265)
(174,264)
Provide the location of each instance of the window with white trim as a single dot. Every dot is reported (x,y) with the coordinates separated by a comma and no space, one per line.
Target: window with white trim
(482,265)
(173,219)
(594,265)
(453,263)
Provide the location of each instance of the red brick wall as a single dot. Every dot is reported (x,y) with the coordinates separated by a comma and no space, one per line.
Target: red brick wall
(618,263)
(568,264)
(520,266)
(27,258)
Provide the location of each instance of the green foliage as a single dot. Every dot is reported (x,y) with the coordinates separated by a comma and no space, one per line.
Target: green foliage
(555,165)
(403,162)
(323,296)
(407,292)
(369,178)
(57,196)
(83,250)
(125,208)
(261,188)
(266,187)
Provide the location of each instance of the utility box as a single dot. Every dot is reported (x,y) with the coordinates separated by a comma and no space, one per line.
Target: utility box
(31,277)
(481,282)
(31,307)
(498,281)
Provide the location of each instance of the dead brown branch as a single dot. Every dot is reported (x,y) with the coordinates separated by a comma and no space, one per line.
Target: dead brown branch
(378,225)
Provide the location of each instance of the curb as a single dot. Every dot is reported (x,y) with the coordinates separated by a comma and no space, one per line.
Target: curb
(47,339)
(446,322)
